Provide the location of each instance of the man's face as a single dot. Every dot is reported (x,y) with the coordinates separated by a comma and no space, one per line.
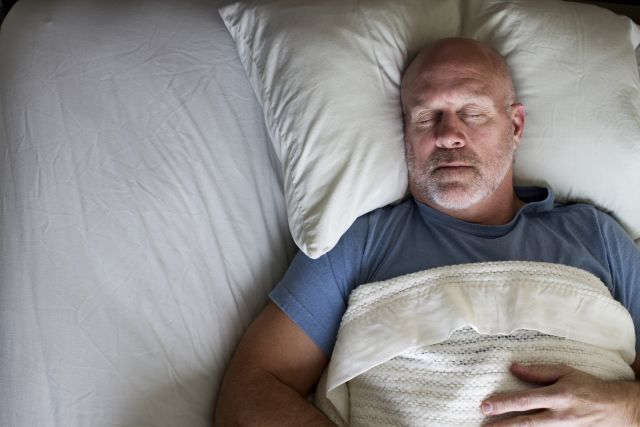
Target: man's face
(459,135)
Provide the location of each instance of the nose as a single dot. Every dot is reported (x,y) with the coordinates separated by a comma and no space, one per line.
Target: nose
(448,132)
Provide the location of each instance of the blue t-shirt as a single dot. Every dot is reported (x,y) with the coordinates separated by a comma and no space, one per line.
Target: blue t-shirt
(411,236)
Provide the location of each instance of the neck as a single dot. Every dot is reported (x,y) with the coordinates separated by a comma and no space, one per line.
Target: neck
(497,209)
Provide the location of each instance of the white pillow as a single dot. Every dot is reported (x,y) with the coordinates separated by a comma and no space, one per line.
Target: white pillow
(328,74)
(576,72)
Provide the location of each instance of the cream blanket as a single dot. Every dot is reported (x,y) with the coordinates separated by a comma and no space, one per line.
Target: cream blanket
(426,348)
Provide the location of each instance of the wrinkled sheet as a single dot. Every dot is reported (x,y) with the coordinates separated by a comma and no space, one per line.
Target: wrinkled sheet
(142,219)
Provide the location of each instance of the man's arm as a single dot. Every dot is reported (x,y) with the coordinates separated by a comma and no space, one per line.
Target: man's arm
(568,397)
(274,367)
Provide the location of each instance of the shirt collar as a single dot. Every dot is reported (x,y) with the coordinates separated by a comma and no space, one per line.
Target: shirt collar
(537,200)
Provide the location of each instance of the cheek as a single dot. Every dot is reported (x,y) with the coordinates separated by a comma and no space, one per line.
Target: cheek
(486,133)
(489,138)
(420,142)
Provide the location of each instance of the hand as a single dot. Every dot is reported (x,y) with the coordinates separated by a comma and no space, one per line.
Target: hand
(568,397)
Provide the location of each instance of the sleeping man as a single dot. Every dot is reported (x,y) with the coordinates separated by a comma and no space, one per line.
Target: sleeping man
(462,126)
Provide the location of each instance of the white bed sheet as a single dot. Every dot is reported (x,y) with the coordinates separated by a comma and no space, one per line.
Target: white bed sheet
(142,218)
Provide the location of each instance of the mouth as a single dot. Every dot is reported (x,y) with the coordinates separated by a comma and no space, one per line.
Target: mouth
(452,166)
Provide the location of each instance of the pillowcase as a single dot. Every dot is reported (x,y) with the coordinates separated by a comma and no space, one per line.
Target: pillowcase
(328,77)
(575,70)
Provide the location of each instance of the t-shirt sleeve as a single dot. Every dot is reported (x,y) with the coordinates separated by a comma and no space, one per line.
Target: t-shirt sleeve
(624,262)
(314,293)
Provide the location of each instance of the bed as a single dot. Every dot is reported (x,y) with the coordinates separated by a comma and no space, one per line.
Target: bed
(149,198)
(143,218)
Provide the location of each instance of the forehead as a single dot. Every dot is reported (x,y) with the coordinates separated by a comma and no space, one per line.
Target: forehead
(434,89)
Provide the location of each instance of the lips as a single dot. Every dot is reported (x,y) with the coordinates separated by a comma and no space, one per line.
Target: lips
(452,166)
(445,160)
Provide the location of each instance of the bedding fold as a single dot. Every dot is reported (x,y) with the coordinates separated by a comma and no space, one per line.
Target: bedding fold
(427,347)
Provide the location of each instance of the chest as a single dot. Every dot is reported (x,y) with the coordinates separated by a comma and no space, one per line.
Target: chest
(426,248)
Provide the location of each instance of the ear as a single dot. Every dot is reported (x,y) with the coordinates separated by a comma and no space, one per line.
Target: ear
(517,119)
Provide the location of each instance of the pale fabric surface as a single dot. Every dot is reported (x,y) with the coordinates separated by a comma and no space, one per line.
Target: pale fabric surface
(328,75)
(576,72)
(427,347)
(142,219)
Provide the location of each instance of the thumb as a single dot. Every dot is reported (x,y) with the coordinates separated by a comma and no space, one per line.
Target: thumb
(540,374)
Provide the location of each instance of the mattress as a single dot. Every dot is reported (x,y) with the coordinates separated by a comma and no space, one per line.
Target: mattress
(142,218)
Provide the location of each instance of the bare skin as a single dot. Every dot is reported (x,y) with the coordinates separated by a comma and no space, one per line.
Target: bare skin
(462,126)
(455,100)
(567,397)
(274,367)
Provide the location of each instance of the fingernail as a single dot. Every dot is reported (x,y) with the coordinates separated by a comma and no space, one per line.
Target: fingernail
(487,408)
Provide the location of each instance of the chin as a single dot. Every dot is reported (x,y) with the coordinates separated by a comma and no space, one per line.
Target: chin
(456,196)
(456,203)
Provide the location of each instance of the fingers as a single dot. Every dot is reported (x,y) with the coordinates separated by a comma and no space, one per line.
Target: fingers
(544,418)
(540,374)
(540,398)
(573,398)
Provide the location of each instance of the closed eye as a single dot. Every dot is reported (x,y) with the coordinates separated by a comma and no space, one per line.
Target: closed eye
(473,117)
(427,119)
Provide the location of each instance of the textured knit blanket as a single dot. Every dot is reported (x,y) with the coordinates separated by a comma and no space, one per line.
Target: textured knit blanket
(426,348)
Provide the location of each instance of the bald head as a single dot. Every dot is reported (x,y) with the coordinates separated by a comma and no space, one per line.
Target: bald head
(462,127)
(453,55)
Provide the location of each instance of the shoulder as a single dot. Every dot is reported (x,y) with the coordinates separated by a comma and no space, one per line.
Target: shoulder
(387,219)
(574,208)
(589,219)
(391,213)
(581,213)
(368,234)
(372,230)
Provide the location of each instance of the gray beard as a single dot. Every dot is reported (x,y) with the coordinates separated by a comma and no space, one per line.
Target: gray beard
(454,194)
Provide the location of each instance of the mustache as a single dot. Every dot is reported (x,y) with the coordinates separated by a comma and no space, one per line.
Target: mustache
(443,156)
